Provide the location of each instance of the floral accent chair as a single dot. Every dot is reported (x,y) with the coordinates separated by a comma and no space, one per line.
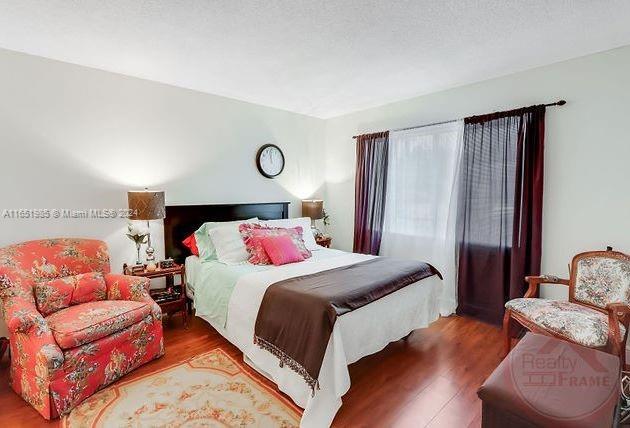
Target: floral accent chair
(73,326)
(597,313)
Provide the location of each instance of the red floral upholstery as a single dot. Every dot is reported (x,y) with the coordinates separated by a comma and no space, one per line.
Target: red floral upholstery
(77,325)
(85,342)
(60,293)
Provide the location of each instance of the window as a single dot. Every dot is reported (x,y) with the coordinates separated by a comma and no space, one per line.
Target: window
(421,173)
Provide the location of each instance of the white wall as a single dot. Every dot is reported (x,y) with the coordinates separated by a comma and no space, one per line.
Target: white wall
(587,158)
(74,137)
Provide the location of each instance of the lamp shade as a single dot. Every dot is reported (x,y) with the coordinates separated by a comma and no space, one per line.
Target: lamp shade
(313,208)
(146,204)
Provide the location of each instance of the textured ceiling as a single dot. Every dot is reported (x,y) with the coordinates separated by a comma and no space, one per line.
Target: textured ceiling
(321,58)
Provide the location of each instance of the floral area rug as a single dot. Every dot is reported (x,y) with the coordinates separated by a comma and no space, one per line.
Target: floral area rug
(209,390)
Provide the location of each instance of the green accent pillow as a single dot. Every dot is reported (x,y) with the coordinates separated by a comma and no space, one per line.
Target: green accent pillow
(207,251)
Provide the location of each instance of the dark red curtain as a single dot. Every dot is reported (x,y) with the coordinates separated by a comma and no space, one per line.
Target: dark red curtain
(369,191)
(499,220)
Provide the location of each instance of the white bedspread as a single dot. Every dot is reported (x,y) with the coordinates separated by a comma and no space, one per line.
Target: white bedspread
(356,334)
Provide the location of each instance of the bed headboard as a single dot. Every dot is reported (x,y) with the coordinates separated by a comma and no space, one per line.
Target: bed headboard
(182,220)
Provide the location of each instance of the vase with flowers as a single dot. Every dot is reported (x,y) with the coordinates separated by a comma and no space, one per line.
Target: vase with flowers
(139,237)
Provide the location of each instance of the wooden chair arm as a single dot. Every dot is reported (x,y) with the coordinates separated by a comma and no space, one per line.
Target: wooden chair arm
(535,281)
(617,313)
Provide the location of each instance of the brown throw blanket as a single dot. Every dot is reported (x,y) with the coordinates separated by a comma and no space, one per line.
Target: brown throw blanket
(297,315)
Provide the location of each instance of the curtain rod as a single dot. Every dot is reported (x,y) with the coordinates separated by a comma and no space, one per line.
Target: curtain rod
(557,103)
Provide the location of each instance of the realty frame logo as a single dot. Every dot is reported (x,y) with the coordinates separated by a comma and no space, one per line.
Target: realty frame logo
(558,368)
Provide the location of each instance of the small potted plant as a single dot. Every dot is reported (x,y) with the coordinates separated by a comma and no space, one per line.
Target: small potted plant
(326,221)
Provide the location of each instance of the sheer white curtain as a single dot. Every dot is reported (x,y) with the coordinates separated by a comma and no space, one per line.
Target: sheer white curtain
(420,206)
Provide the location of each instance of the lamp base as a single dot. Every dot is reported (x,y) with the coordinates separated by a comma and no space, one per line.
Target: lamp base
(151,266)
(316,232)
(150,250)
(150,254)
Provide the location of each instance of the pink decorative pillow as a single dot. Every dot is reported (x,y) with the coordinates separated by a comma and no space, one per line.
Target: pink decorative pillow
(253,234)
(281,250)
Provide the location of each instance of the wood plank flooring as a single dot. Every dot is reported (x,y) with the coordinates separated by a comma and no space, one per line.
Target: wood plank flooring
(430,379)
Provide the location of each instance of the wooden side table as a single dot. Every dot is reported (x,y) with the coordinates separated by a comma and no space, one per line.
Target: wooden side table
(323,240)
(171,299)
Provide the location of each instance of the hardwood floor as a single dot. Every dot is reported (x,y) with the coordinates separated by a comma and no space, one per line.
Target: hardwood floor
(430,379)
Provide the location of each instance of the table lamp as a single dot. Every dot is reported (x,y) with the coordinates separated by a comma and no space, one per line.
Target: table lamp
(147,205)
(313,208)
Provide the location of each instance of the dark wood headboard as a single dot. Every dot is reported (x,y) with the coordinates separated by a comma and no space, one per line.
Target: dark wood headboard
(182,220)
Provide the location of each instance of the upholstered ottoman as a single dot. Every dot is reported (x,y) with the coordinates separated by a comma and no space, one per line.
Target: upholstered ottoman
(547,382)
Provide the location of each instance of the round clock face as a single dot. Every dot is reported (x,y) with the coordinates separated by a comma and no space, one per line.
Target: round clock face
(270,160)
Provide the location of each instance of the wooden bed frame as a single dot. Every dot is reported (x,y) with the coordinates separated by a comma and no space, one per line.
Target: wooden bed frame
(182,220)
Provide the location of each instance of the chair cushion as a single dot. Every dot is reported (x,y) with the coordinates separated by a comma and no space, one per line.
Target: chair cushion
(52,296)
(133,337)
(575,322)
(90,321)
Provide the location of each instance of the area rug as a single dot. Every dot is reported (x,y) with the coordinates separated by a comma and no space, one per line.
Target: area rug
(208,390)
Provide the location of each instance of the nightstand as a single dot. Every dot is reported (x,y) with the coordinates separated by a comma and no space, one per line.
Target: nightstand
(171,299)
(323,240)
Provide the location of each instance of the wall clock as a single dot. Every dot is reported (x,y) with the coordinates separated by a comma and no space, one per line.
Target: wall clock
(270,160)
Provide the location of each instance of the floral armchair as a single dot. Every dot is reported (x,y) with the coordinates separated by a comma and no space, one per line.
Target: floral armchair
(73,326)
(597,313)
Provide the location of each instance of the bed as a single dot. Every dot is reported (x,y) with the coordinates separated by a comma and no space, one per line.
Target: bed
(355,334)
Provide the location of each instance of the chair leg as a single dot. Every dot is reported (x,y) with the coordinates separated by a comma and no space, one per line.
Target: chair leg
(619,349)
(507,335)
(622,356)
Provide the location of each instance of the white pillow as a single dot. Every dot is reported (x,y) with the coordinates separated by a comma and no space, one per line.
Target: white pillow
(228,245)
(202,235)
(305,222)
